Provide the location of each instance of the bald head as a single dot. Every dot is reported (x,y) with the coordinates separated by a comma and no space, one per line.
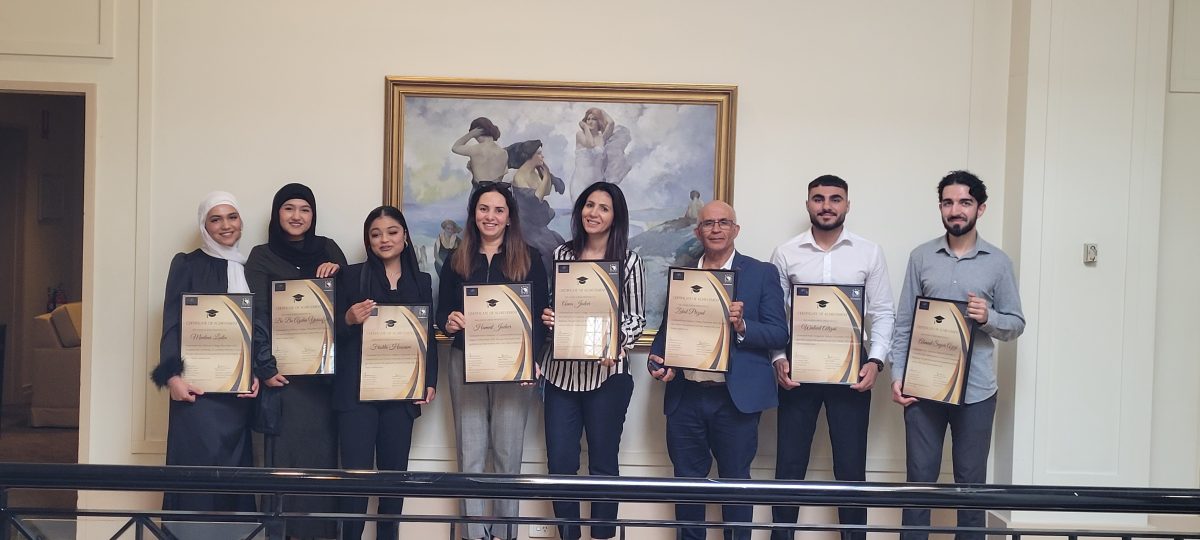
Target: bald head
(716,230)
(716,210)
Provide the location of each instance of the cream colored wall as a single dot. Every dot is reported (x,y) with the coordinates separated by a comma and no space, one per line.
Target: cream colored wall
(247,96)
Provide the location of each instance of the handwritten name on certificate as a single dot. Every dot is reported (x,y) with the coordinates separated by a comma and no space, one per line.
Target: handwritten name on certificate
(587,304)
(697,318)
(939,351)
(827,333)
(395,343)
(215,334)
(498,345)
(302,331)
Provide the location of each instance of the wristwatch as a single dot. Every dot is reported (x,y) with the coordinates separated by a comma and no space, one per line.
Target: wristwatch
(878,363)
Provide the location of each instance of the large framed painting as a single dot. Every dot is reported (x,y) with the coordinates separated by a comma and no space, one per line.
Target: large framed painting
(668,146)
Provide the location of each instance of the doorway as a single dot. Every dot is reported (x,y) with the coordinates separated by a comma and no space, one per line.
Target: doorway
(41,280)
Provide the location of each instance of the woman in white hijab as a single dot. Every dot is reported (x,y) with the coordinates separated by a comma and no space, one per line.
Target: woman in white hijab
(205,429)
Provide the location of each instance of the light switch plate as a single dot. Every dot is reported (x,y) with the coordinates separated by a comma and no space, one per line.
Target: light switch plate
(1090,253)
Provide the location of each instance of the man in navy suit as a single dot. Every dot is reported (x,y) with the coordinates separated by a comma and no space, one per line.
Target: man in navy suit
(716,415)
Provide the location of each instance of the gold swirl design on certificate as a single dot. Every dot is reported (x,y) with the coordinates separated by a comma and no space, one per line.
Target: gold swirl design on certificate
(215,335)
(498,346)
(827,330)
(697,318)
(586,310)
(939,351)
(302,326)
(395,344)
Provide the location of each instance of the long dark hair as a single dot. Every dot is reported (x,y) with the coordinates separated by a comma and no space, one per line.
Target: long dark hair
(408,257)
(618,233)
(515,264)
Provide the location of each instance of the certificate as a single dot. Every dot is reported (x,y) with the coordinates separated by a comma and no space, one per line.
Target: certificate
(939,351)
(395,341)
(827,333)
(302,335)
(499,335)
(587,304)
(697,318)
(215,333)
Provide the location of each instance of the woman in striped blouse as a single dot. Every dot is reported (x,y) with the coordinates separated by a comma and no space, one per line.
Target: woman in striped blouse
(592,396)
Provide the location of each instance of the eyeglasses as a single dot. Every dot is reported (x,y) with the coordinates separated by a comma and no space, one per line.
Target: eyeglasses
(489,183)
(719,224)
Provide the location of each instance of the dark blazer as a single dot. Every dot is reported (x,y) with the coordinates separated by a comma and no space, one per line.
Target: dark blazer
(450,294)
(751,379)
(195,272)
(351,291)
(262,267)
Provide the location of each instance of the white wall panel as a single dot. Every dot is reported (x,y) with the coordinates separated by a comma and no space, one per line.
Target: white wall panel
(82,28)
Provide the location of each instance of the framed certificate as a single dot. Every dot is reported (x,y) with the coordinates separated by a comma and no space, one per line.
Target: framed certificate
(498,344)
(302,334)
(827,333)
(697,318)
(939,351)
(395,342)
(587,308)
(215,333)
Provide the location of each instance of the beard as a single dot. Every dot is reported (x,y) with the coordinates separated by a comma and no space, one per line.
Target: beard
(959,229)
(816,223)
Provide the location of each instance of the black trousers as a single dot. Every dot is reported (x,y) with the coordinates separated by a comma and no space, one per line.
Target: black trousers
(707,425)
(971,434)
(600,415)
(375,435)
(848,413)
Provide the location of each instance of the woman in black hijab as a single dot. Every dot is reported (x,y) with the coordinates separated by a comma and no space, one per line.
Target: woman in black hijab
(295,413)
(378,433)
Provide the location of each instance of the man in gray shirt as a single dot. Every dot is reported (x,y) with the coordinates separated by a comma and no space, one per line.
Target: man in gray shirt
(957,266)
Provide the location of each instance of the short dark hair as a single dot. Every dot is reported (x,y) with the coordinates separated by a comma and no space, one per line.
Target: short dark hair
(829,180)
(487,126)
(974,185)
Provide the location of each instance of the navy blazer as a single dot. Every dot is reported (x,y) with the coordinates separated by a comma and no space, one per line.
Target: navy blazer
(751,378)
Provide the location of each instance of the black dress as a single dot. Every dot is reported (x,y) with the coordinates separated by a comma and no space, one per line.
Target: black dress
(306,435)
(215,429)
(375,434)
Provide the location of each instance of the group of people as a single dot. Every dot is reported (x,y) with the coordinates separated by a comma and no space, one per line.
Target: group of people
(311,421)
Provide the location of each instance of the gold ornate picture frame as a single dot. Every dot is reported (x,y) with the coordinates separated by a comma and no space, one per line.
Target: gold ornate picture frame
(670,147)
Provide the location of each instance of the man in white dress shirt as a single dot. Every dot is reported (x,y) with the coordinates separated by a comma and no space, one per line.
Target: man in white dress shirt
(829,254)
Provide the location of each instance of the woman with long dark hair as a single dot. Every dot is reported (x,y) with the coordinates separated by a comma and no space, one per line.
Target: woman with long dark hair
(205,429)
(591,396)
(489,415)
(295,413)
(377,433)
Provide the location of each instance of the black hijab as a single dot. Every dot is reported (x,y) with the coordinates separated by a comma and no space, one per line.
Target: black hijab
(306,254)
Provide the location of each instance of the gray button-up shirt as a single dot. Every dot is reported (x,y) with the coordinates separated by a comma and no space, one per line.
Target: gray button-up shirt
(934,270)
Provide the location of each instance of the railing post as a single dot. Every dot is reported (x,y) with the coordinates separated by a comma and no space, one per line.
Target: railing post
(6,532)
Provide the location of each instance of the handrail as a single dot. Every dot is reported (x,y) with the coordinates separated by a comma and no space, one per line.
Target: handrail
(628,489)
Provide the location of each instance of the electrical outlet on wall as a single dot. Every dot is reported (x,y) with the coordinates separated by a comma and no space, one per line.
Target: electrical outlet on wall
(541,531)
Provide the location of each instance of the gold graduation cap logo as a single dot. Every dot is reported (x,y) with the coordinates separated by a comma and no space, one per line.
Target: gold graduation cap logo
(938,319)
(696,288)
(297,297)
(492,302)
(390,323)
(581,279)
(822,303)
(211,313)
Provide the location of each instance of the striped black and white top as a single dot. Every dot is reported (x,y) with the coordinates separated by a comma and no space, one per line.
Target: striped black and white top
(585,375)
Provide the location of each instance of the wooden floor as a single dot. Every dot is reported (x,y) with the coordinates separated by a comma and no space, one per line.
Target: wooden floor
(21,443)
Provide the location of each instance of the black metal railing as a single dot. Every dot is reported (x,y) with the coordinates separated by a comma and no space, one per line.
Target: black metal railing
(279,482)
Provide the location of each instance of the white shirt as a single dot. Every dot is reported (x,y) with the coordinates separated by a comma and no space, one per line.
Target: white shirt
(851,260)
(709,376)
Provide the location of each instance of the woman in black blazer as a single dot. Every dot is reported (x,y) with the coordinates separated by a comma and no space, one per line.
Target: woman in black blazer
(377,432)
